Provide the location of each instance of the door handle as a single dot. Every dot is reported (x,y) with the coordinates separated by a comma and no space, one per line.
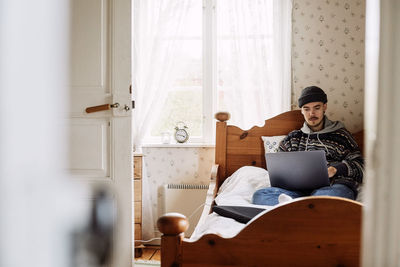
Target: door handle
(101,107)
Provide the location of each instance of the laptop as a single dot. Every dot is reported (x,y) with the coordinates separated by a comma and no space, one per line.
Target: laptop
(241,214)
(298,170)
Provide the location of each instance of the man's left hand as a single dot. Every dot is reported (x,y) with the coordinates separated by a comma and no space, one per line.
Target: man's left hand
(331,171)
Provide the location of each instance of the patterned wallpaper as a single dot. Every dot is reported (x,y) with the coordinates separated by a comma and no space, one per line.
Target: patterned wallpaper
(176,165)
(328,51)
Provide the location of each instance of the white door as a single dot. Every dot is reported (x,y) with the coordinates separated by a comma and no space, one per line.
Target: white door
(101,146)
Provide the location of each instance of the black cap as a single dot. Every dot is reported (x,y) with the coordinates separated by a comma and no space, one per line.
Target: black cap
(312,94)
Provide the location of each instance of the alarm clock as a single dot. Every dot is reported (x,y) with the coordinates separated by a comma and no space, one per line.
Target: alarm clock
(181,135)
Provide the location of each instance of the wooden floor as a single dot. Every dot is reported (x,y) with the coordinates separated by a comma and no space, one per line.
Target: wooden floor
(148,253)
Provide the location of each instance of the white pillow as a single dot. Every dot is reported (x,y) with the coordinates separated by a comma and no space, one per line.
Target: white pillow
(271,143)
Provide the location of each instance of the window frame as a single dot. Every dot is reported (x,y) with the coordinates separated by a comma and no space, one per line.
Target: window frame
(209,70)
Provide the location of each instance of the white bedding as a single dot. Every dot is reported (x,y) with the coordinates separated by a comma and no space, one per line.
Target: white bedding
(237,190)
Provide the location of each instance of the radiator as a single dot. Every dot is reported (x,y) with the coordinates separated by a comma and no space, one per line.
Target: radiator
(185,199)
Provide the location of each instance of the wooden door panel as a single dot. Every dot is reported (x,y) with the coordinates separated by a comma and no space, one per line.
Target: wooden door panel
(94,136)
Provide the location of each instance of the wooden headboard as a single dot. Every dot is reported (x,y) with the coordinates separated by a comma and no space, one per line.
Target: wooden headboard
(236,148)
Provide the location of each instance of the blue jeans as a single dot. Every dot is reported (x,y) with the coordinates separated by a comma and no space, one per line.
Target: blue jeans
(269,196)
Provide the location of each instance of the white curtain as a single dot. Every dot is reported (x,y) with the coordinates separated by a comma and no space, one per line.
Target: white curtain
(155,59)
(254,59)
(155,56)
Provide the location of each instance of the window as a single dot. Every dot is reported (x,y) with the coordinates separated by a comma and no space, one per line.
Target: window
(193,58)
(184,101)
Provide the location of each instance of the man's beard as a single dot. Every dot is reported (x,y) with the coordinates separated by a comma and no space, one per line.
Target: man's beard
(318,124)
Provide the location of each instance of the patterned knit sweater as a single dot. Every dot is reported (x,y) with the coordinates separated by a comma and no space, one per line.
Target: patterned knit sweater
(342,151)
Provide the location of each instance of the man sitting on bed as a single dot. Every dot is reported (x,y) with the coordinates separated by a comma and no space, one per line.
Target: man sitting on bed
(345,162)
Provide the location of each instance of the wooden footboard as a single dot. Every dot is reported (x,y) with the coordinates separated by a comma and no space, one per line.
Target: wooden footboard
(310,231)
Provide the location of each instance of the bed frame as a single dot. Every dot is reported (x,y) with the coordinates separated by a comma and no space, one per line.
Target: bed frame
(310,231)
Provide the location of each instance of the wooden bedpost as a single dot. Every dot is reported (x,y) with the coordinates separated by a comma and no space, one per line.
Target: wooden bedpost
(172,226)
(220,143)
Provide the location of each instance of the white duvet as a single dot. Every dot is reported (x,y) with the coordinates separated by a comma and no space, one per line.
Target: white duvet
(237,190)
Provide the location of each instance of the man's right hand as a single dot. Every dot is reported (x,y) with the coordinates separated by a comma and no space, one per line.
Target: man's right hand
(331,171)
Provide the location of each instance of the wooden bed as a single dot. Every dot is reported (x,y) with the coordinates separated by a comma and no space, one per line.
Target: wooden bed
(310,231)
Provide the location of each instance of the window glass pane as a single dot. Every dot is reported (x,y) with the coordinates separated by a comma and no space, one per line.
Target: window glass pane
(184,101)
(181,105)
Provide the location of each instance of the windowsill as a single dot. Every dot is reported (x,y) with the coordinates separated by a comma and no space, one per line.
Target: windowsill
(177,145)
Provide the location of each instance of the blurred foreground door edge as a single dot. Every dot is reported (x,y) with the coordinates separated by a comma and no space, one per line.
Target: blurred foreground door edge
(56,59)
